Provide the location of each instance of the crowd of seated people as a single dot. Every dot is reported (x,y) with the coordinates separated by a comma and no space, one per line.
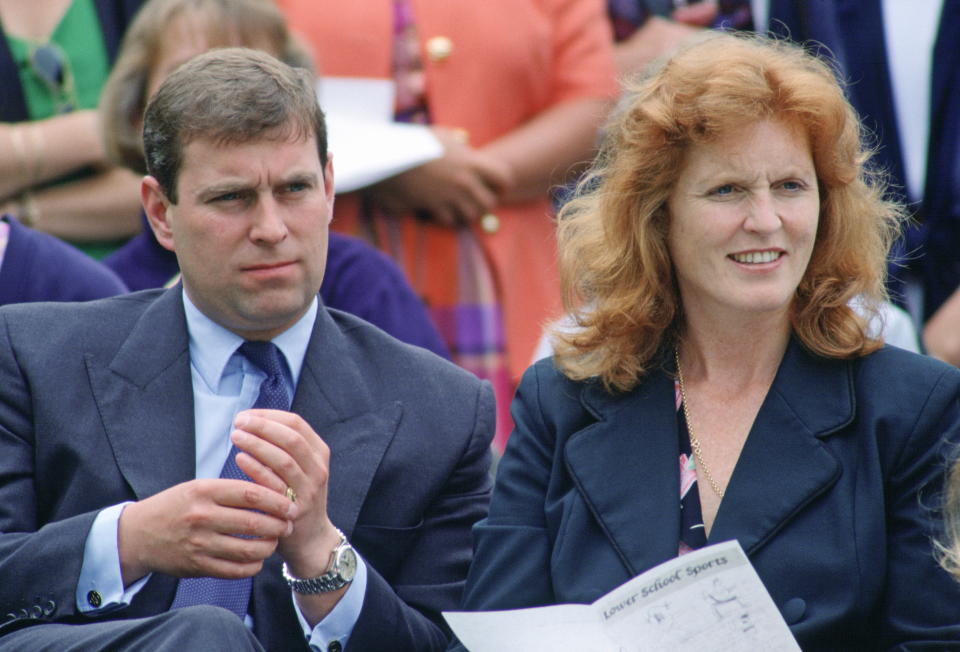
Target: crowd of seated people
(699,231)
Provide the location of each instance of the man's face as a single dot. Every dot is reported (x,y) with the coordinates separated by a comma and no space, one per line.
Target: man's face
(249,230)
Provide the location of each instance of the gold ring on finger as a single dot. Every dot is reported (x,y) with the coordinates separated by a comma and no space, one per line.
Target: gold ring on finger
(291,494)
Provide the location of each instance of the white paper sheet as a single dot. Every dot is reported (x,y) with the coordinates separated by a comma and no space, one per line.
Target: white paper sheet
(366,145)
(710,600)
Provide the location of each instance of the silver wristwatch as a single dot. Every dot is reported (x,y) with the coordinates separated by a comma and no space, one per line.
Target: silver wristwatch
(343,566)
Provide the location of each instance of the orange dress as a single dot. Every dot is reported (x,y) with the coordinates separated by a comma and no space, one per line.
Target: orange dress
(489,67)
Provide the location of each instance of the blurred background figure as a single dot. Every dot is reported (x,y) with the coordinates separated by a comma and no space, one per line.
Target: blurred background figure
(165,34)
(647,29)
(516,90)
(720,385)
(36,266)
(54,59)
(902,61)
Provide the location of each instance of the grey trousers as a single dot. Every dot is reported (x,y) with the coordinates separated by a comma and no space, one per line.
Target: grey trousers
(202,627)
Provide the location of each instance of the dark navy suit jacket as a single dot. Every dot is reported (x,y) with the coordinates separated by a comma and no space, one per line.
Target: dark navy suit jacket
(96,408)
(830,498)
(852,30)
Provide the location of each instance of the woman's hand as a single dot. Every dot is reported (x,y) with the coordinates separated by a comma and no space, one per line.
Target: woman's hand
(456,189)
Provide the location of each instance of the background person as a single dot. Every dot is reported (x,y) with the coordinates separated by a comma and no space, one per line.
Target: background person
(721,387)
(54,58)
(647,29)
(516,110)
(904,72)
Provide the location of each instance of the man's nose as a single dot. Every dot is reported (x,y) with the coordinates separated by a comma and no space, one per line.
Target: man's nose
(269,224)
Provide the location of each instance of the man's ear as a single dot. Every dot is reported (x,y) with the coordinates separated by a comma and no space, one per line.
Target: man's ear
(328,186)
(158,209)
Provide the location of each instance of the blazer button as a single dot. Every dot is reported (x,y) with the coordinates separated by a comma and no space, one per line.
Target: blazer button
(490,223)
(49,608)
(36,611)
(94,599)
(439,48)
(334,646)
(793,610)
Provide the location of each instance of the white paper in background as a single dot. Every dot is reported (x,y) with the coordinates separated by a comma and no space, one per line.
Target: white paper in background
(367,146)
(709,600)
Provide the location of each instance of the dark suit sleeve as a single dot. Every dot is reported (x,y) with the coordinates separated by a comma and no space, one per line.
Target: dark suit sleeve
(39,568)
(404,613)
(921,600)
(512,546)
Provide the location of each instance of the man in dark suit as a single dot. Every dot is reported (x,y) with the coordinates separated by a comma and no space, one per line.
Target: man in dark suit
(131,463)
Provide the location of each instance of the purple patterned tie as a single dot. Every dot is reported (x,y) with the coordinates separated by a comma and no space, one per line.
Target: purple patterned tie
(235,594)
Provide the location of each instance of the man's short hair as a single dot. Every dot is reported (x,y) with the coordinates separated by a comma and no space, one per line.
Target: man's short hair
(221,23)
(228,96)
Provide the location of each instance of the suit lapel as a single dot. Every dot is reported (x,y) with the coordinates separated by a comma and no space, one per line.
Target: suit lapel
(860,35)
(946,61)
(145,399)
(784,465)
(626,466)
(943,157)
(332,396)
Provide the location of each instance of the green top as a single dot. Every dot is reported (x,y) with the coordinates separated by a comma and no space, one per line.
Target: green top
(78,44)
(79,41)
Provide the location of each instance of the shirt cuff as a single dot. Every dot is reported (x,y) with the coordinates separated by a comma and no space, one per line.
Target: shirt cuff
(100,588)
(339,623)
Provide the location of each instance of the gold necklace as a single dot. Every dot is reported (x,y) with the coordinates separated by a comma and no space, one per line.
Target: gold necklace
(694,442)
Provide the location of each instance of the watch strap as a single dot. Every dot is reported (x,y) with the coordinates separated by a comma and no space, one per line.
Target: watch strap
(329,581)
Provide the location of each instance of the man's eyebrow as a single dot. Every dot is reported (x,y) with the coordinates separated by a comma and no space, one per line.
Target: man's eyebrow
(222,188)
(300,177)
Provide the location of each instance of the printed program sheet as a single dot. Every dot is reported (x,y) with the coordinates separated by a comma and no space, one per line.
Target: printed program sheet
(709,600)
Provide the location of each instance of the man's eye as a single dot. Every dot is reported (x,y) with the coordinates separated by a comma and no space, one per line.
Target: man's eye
(228,196)
(297,186)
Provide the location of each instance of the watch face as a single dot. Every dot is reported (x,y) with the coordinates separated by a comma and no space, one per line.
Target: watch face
(346,564)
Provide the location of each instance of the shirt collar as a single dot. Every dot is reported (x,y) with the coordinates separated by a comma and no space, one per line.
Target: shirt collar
(212,346)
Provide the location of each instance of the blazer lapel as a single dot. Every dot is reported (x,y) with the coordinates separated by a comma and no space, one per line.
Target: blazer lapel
(145,399)
(784,465)
(626,466)
(332,396)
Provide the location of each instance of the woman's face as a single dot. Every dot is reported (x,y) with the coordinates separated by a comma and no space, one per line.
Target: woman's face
(743,220)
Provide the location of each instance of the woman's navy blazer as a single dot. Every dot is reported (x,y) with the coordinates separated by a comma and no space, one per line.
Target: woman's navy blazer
(833,498)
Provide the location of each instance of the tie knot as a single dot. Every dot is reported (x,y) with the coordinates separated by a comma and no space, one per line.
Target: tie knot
(265,355)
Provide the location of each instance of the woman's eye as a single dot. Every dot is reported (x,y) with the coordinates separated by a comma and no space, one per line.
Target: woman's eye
(726,189)
(792,186)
